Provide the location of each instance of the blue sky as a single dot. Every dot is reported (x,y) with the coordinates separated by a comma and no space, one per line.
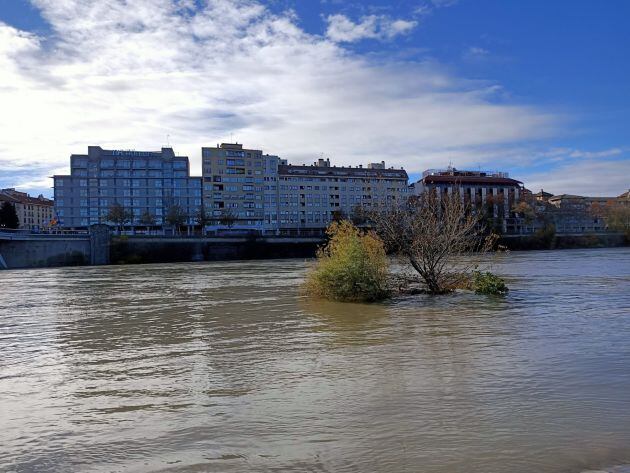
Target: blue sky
(540,89)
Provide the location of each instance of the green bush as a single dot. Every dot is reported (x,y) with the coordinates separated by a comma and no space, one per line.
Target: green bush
(352,267)
(488,283)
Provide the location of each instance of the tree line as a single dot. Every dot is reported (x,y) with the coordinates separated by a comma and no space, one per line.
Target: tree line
(175,216)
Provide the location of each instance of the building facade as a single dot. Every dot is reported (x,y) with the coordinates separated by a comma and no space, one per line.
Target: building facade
(492,190)
(238,185)
(248,190)
(241,190)
(311,197)
(34,213)
(145,183)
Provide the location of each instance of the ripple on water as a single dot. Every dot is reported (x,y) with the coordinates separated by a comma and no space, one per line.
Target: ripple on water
(226,367)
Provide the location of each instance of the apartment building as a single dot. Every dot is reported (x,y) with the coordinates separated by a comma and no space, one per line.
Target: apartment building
(34,213)
(310,197)
(147,183)
(494,190)
(237,183)
(245,189)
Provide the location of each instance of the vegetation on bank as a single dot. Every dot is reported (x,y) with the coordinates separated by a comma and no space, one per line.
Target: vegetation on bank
(440,238)
(351,267)
(8,216)
(488,283)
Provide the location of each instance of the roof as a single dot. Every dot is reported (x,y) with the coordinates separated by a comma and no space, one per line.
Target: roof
(566,196)
(7,198)
(13,196)
(290,169)
(542,193)
(489,180)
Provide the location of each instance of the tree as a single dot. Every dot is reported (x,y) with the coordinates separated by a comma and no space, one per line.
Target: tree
(525,210)
(438,235)
(358,215)
(8,216)
(227,218)
(147,218)
(175,216)
(202,218)
(119,216)
(616,213)
(352,267)
(338,215)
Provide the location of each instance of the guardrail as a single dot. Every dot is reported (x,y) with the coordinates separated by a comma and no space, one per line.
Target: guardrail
(20,234)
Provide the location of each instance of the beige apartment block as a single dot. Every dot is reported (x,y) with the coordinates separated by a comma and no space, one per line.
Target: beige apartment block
(238,184)
(245,189)
(34,213)
(311,197)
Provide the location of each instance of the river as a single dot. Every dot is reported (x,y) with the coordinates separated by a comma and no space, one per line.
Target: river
(225,367)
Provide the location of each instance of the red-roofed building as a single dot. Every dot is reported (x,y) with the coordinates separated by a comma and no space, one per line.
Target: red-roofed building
(34,213)
(493,189)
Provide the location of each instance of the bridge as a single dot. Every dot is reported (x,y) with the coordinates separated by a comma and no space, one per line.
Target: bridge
(26,249)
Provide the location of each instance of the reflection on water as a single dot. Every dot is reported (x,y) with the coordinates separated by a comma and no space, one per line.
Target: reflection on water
(226,367)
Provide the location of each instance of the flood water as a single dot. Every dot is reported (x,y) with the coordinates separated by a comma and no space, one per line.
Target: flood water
(226,367)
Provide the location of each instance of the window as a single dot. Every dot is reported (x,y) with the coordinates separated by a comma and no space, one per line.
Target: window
(179,164)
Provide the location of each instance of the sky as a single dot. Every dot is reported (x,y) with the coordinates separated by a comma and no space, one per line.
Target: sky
(538,89)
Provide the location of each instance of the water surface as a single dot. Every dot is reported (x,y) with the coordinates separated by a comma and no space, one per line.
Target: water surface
(225,367)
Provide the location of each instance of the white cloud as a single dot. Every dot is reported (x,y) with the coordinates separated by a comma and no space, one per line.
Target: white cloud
(477,51)
(125,74)
(343,29)
(422,10)
(443,3)
(590,177)
(562,154)
(596,154)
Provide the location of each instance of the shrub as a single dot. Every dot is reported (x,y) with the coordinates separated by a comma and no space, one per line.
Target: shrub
(351,267)
(488,283)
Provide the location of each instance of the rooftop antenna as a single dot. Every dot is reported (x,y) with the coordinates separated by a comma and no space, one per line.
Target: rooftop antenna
(168,141)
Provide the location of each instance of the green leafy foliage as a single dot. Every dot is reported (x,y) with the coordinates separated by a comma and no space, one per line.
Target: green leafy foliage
(352,267)
(488,283)
(8,216)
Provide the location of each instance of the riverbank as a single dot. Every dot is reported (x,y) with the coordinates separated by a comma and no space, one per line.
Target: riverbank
(564,241)
(138,250)
(100,248)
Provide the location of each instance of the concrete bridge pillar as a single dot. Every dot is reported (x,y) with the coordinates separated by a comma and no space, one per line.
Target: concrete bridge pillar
(99,244)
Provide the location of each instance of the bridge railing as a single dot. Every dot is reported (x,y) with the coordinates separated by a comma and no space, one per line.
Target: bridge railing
(25,234)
